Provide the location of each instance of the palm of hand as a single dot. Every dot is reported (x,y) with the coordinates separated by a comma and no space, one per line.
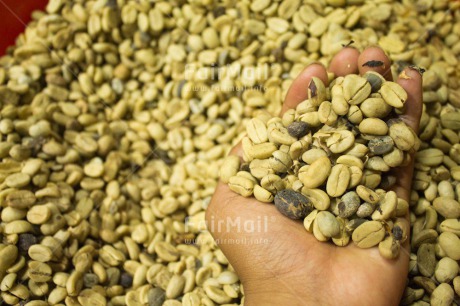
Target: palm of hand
(280,263)
(280,256)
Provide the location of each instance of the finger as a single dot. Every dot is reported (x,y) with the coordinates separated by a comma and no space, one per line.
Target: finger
(345,62)
(375,59)
(237,150)
(411,80)
(298,90)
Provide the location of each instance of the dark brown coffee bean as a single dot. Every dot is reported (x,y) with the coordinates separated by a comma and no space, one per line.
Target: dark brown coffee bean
(126,280)
(292,204)
(298,129)
(397,232)
(25,241)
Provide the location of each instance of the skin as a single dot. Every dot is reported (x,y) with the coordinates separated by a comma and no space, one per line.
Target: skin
(289,266)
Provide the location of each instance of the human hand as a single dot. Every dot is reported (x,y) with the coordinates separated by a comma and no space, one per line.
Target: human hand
(292,267)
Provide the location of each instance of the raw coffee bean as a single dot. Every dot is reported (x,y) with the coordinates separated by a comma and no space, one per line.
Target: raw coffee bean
(397,233)
(426,259)
(316,174)
(395,158)
(388,181)
(318,197)
(126,280)
(457,285)
(309,220)
(368,234)
(446,270)
(375,108)
(21,199)
(402,135)
(340,141)
(443,295)
(262,194)
(344,237)
(257,131)
(355,116)
(261,150)
(367,194)
(316,91)
(293,204)
(229,167)
(298,129)
(393,94)
(373,126)
(241,185)
(349,204)
(25,241)
(424,236)
(365,210)
(450,225)
(352,224)
(386,207)
(337,183)
(426,283)
(450,243)
(328,224)
(375,79)
(355,89)
(446,207)
(156,296)
(401,229)
(389,248)
(90,280)
(381,145)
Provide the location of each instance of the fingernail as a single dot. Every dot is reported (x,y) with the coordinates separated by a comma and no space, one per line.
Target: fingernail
(417,68)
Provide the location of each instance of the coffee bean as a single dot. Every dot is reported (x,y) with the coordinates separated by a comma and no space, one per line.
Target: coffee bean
(381,145)
(90,280)
(298,129)
(25,241)
(397,232)
(426,259)
(368,234)
(349,204)
(293,204)
(352,224)
(156,296)
(375,79)
(388,181)
(126,280)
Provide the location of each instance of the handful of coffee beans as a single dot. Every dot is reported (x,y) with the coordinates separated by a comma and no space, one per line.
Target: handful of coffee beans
(328,162)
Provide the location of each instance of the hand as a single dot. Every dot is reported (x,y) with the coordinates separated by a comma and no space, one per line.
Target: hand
(288,266)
